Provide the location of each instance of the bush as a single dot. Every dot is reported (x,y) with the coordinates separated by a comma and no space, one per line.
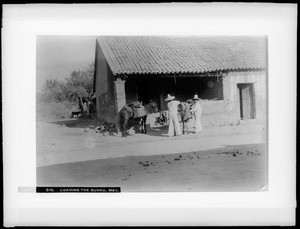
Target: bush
(56,96)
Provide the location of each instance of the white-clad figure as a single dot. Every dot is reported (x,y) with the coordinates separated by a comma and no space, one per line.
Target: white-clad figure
(196,109)
(174,126)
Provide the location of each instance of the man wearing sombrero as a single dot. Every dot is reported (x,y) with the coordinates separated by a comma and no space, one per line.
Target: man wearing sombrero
(196,109)
(174,126)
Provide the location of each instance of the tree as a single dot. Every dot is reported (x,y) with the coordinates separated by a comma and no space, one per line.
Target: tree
(79,85)
(53,91)
(74,89)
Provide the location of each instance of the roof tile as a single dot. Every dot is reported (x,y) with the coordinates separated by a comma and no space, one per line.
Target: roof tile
(168,55)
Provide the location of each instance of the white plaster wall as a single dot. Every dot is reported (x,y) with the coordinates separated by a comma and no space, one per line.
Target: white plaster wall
(231,96)
(104,88)
(227,111)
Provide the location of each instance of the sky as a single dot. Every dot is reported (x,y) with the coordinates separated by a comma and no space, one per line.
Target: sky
(58,56)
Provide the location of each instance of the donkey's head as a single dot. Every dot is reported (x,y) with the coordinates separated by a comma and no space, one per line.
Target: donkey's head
(153,106)
(180,107)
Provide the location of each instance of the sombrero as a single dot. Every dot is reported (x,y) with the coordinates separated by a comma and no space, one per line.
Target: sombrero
(195,97)
(169,97)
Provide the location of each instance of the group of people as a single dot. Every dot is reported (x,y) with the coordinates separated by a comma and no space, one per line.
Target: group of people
(174,126)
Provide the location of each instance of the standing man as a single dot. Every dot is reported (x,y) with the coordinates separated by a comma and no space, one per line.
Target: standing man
(85,107)
(188,122)
(174,126)
(93,104)
(196,109)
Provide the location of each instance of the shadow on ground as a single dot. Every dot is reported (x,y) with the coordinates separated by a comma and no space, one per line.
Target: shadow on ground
(230,168)
(78,123)
(159,131)
(162,131)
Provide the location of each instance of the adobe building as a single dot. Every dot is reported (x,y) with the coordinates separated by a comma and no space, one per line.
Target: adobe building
(228,74)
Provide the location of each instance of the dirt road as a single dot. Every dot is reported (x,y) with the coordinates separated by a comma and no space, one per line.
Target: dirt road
(231,158)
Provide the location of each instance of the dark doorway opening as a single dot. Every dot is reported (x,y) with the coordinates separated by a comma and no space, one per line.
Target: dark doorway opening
(148,89)
(246,100)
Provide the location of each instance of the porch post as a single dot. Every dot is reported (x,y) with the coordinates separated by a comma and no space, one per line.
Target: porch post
(120,96)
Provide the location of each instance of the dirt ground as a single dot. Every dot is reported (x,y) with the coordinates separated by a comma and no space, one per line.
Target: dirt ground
(221,158)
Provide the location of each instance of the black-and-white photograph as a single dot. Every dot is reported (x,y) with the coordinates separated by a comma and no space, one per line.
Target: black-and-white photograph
(152,113)
(159,114)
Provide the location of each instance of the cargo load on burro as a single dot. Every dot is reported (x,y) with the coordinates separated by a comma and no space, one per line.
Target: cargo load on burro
(135,110)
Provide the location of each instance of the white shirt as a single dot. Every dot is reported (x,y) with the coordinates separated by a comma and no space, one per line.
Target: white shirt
(197,109)
(173,106)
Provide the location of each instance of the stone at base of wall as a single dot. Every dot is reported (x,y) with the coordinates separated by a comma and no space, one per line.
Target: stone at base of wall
(222,119)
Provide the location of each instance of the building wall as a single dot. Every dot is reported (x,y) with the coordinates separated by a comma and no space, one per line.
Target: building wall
(104,86)
(227,111)
(217,113)
(231,96)
(214,112)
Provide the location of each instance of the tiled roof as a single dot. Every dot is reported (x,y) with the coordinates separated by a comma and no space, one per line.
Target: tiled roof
(169,55)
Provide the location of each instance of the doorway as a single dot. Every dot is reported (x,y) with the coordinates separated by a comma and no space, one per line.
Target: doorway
(246,101)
